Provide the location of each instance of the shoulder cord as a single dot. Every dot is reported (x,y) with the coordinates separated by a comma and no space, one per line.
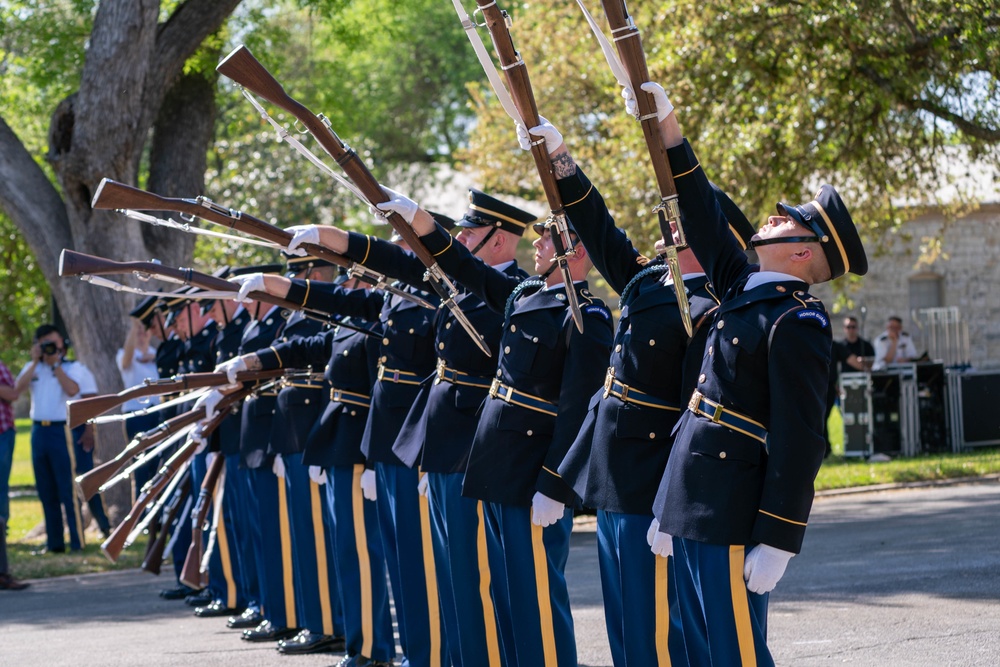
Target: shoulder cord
(649,270)
(516,293)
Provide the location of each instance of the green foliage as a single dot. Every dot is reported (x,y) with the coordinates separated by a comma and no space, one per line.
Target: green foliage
(24,292)
(775,96)
(839,473)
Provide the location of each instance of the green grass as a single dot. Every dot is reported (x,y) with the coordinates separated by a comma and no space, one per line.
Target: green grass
(21,474)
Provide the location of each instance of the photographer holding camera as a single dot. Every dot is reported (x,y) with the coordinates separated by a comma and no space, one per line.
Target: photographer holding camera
(52,381)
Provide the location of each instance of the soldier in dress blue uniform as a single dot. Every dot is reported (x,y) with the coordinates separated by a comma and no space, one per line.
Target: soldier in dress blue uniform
(738,485)
(616,463)
(442,422)
(405,358)
(350,355)
(233,573)
(535,407)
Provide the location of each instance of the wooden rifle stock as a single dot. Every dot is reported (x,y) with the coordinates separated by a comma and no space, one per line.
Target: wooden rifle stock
(243,68)
(92,480)
(633,59)
(158,539)
(516,73)
(112,547)
(72,263)
(191,574)
(113,195)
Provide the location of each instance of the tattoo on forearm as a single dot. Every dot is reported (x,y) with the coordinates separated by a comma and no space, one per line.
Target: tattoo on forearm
(563,165)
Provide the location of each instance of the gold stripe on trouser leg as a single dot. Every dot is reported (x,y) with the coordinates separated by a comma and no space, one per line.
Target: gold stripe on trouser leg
(741,607)
(324,575)
(222,539)
(489,615)
(547,627)
(77,511)
(364,561)
(430,578)
(287,575)
(662,612)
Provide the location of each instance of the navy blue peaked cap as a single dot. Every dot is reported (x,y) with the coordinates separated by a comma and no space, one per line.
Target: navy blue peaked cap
(827,216)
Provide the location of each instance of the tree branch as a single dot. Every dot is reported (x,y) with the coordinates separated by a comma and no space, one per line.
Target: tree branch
(180,36)
(32,202)
(972,129)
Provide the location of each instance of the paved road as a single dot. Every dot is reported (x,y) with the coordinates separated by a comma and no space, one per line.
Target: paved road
(895,578)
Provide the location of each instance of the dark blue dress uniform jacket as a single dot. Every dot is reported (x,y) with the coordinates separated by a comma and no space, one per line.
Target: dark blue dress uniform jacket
(348,359)
(517,450)
(227,344)
(441,423)
(766,359)
(617,461)
(407,345)
(258,411)
(199,351)
(168,357)
(300,403)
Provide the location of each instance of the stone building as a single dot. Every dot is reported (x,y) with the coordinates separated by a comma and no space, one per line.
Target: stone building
(965,277)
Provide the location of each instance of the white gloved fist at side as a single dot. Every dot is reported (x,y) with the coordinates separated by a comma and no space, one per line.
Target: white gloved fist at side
(231,368)
(660,99)
(764,566)
(544,510)
(423,486)
(317,475)
(397,203)
(368,485)
(662,543)
(654,526)
(252,282)
(301,234)
(278,467)
(546,130)
(210,402)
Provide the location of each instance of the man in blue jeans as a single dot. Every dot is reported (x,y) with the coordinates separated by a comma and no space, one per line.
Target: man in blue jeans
(53,381)
(8,394)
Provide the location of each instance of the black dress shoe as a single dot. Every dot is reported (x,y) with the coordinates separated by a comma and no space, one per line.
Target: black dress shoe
(178,593)
(215,608)
(307,642)
(267,632)
(199,599)
(250,618)
(9,583)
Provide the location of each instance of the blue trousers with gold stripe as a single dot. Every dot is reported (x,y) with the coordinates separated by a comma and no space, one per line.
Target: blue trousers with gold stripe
(462,560)
(52,462)
(231,575)
(640,600)
(360,566)
(533,562)
(404,522)
(272,543)
(317,592)
(724,623)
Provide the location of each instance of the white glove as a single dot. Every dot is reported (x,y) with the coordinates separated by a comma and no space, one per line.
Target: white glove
(197,437)
(763,567)
(231,368)
(317,475)
(368,485)
(301,234)
(398,203)
(662,544)
(546,130)
(423,486)
(252,282)
(663,105)
(654,526)
(544,510)
(210,401)
(278,467)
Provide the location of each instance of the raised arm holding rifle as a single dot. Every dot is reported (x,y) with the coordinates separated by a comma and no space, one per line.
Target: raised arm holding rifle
(738,486)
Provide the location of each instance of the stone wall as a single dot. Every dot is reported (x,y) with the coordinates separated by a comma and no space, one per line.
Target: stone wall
(969,269)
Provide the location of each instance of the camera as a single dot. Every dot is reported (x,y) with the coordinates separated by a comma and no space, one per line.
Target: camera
(49,348)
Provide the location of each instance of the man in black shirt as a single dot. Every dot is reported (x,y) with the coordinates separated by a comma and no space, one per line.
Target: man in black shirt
(854,352)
